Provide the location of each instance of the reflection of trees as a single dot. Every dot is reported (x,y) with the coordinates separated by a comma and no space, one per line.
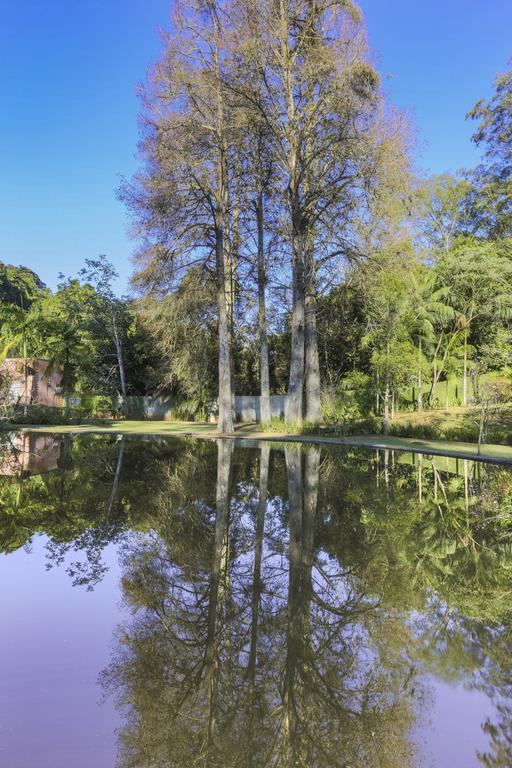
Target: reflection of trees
(282,604)
(70,505)
(265,652)
(346,695)
(500,737)
(101,487)
(454,548)
(495,679)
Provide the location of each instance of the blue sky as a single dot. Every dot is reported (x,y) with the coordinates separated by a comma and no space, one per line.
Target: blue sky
(68,123)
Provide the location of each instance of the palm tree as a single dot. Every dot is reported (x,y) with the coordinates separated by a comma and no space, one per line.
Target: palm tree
(429,311)
(20,330)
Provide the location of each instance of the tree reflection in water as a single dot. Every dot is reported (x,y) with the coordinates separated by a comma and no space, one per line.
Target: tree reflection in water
(267,650)
(287,605)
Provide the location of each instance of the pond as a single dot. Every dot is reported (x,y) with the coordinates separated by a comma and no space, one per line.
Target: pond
(178,603)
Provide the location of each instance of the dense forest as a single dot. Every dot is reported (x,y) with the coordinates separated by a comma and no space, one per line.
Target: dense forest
(285,241)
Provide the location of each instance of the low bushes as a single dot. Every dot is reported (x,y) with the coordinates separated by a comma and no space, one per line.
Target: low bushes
(37,414)
(351,399)
(466,432)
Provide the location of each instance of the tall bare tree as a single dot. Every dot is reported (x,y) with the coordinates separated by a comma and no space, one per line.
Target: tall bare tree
(181,201)
(322,105)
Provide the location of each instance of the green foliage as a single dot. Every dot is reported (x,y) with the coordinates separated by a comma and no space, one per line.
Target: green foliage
(192,410)
(491,202)
(182,327)
(37,414)
(443,210)
(100,406)
(351,399)
(478,275)
(19,286)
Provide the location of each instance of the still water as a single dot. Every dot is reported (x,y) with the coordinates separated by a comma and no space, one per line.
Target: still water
(179,603)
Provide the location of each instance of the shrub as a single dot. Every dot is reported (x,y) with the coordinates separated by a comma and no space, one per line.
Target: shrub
(279,425)
(192,410)
(371,425)
(409,429)
(99,407)
(37,414)
(350,399)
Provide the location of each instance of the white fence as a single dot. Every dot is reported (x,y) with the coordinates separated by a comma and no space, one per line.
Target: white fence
(247,407)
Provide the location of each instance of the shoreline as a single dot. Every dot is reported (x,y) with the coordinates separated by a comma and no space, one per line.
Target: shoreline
(497,454)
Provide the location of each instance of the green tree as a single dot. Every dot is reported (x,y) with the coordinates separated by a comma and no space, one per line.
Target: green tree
(182,327)
(478,275)
(183,203)
(388,296)
(491,201)
(111,312)
(19,285)
(22,336)
(443,210)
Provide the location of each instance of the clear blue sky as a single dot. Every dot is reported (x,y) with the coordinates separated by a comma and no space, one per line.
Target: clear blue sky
(68,130)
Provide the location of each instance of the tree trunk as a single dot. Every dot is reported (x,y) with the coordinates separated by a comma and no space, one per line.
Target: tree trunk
(265,410)
(120,365)
(25,405)
(293,408)
(294,629)
(231,248)
(465,373)
(387,389)
(386,408)
(225,423)
(420,380)
(257,588)
(218,576)
(312,362)
(117,477)
(223,268)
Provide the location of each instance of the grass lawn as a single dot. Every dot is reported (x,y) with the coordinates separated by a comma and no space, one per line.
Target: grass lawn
(457,423)
(464,450)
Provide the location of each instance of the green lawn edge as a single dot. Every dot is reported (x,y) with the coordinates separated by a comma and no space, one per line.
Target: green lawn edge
(491,453)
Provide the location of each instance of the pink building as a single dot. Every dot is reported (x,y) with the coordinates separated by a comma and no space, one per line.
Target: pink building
(26,454)
(36,383)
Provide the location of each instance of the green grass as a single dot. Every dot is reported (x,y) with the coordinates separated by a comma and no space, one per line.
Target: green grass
(457,424)
(122,426)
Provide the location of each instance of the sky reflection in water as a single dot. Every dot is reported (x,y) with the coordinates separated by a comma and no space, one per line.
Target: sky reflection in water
(172,603)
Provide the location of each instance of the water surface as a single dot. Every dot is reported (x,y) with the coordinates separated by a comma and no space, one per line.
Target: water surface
(175,603)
